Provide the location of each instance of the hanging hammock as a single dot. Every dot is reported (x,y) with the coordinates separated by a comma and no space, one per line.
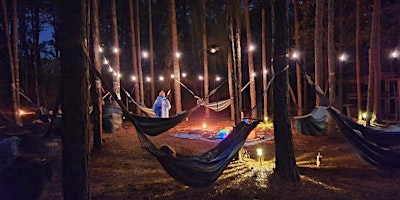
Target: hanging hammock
(193,171)
(312,124)
(147,111)
(372,145)
(218,105)
(368,149)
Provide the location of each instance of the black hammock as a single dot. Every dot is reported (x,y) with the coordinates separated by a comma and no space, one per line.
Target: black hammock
(193,171)
(155,126)
(367,147)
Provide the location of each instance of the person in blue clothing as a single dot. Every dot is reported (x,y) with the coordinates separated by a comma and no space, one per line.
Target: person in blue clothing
(161,105)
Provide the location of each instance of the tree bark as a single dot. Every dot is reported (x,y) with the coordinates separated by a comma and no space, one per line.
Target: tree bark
(319,10)
(331,61)
(14,33)
(205,58)
(175,59)
(139,52)
(285,161)
(96,83)
(299,74)
(253,98)
(377,64)
(36,51)
(151,51)
(358,63)
(264,60)
(14,108)
(74,97)
(136,87)
(116,66)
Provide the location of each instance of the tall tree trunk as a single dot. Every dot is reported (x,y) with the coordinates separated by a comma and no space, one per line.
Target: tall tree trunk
(237,14)
(205,58)
(319,11)
(331,61)
(230,84)
(358,63)
(139,54)
(339,102)
(253,100)
(285,161)
(14,33)
(298,70)
(372,58)
(377,62)
(264,60)
(36,50)
(116,66)
(134,54)
(14,109)
(24,49)
(96,83)
(151,53)
(175,59)
(74,93)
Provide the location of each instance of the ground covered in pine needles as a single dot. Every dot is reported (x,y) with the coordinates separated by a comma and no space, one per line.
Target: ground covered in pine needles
(123,170)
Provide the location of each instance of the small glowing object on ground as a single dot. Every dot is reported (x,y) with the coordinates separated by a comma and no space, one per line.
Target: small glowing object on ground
(21,112)
(259,153)
(265,119)
(204,126)
(319,158)
(364,115)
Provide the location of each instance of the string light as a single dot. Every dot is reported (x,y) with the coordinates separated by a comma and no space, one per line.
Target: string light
(201,77)
(145,54)
(184,74)
(161,78)
(172,76)
(295,55)
(133,78)
(148,79)
(394,54)
(254,74)
(115,50)
(217,78)
(105,61)
(178,54)
(100,49)
(265,71)
(252,47)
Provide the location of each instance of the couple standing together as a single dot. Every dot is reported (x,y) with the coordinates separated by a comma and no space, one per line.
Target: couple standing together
(161,105)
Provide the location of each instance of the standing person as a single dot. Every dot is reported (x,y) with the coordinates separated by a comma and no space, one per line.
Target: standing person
(161,105)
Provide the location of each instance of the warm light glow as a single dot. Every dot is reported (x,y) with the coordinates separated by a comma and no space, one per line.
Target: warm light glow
(133,78)
(21,112)
(265,71)
(184,74)
(110,69)
(394,54)
(100,49)
(218,78)
(172,76)
(115,50)
(295,55)
(252,47)
(145,54)
(161,78)
(201,77)
(105,61)
(148,79)
(115,73)
(254,74)
(204,126)
(265,119)
(343,57)
(259,152)
(178,54)
(213,50)
(364,115)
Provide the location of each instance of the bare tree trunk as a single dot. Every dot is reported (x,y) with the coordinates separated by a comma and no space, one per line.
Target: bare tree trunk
(230,85)
(139,54)
(253,98)
(319,10)
(331,61)
(36,50)
(264,60)
(205,58)
(74,93)
(285,160)
(134,54)
(238,56)
(339,102)
(14,109)
(116,66)
(377,58)
(372,58)
(175,59)
(358,64)
(151,53)
(96,83)
(298,70)
(14,33)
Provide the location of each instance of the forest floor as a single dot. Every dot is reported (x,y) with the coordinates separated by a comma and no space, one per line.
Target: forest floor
(123,170)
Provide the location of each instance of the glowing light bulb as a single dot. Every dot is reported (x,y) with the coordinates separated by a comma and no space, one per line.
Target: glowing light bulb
(204,126)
